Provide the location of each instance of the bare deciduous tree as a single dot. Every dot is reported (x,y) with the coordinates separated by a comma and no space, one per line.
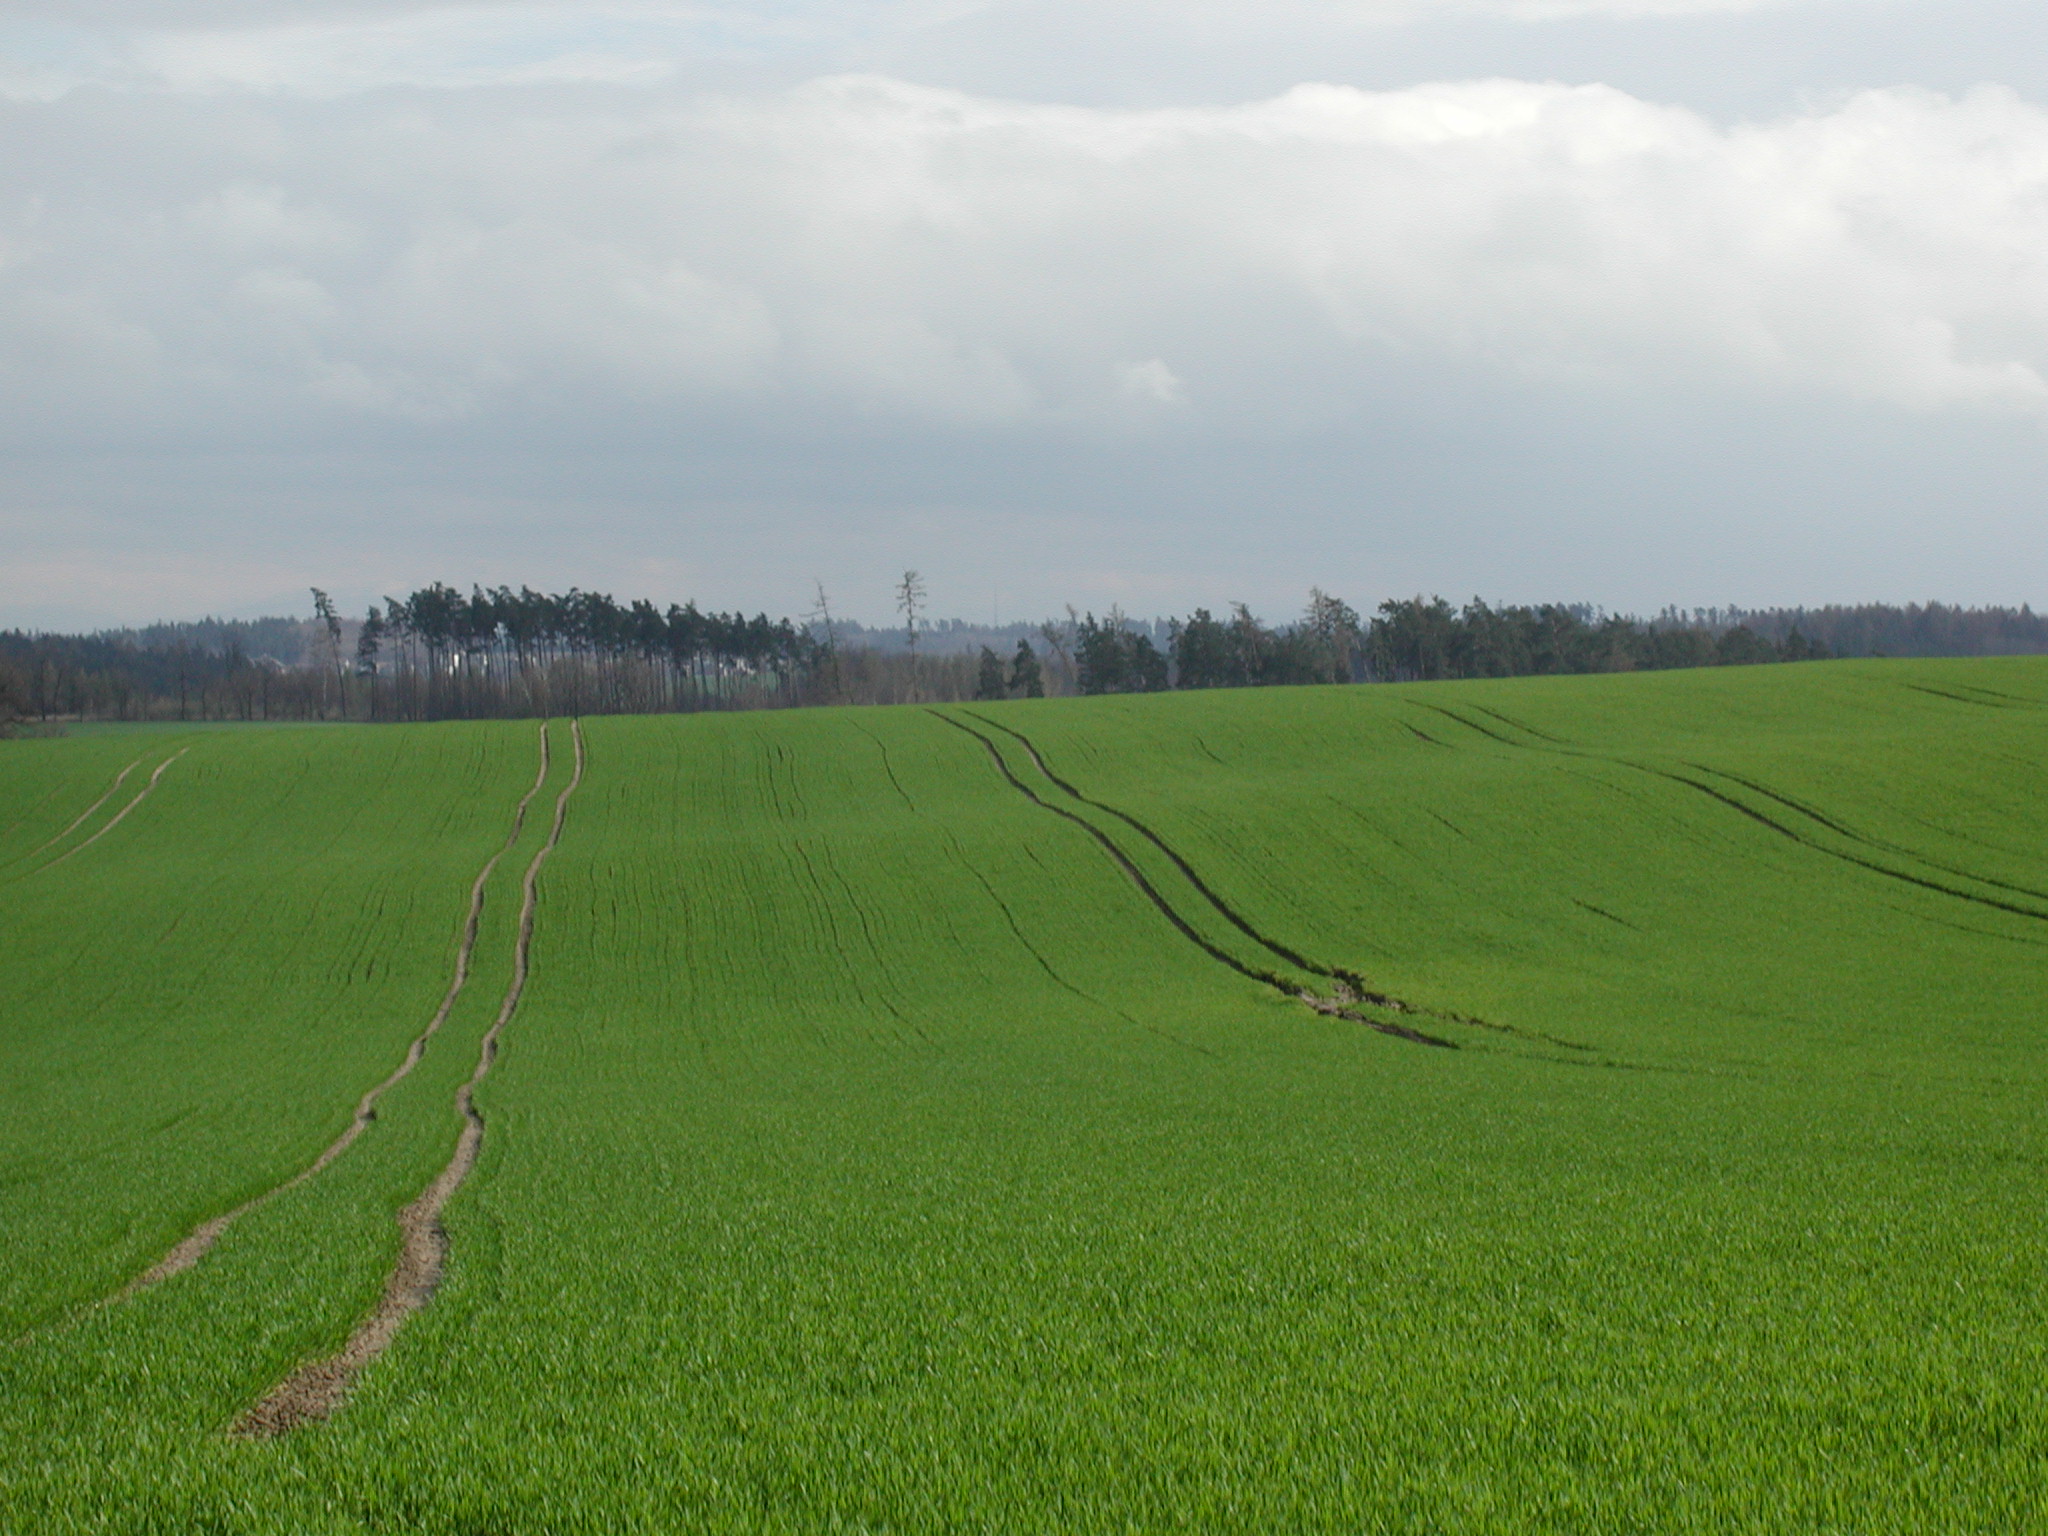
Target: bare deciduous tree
(910,603)
(323,605)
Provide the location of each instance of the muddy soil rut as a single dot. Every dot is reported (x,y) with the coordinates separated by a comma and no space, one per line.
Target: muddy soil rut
(316,1389)
(119,816)
(200,1240)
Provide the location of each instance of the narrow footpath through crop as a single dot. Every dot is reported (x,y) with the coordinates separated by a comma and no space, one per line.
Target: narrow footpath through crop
(316,1389)
(195,1245)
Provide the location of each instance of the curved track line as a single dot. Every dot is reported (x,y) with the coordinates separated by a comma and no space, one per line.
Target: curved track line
(1187,930)
(1228,912)
(1879,844)
(84,814)
(116,819)
(1779,827)
(1352,988)
(316,1389)
(201,1239)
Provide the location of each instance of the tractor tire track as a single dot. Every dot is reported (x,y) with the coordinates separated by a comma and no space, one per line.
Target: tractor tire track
(1187,930)
(83,815)
(1849,858)
(1229,913)
(1351,986)
(200,1240)
(1875,844)
(1790,833)
(1957,698)
(119,816)
(316,1389)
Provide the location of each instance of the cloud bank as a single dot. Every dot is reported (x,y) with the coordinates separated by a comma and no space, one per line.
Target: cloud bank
(861,250)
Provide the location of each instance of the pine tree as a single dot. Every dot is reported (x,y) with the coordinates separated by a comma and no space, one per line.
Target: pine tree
(1025,676)
(988,683)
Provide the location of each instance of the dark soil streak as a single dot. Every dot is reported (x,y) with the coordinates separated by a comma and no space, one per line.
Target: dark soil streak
(1849,858)
(1881,845)
(887,767)
(1470,725)
(1527,730)
(1187,930)
(1789,833)
(1603,912)
(1958,698)
(1229,913)
(316,1389)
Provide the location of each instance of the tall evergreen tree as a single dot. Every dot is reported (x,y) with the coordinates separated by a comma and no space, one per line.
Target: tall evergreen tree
(1025,676)
(989,682)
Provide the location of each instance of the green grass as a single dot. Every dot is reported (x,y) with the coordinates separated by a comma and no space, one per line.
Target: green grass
(869,1153)
(190,1006)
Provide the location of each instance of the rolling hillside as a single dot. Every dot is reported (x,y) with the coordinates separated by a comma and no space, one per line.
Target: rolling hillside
(1558,1104)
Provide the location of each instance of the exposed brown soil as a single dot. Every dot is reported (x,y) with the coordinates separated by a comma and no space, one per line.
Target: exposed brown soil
(196,1243)
(119,816)
(316,1389)
(86,813)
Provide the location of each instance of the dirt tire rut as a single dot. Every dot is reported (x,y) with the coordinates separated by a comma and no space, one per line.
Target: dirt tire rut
(316,1389)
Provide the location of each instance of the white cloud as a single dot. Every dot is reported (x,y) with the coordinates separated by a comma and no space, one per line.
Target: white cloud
(1152,380)
(328,47)
(869,249)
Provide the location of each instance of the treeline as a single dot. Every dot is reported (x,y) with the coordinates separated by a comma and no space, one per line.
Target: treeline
(1881,629)
(439,654)
(1408,640)
(101,677)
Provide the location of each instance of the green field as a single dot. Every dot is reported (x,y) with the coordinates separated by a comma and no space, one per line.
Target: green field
(910,1122)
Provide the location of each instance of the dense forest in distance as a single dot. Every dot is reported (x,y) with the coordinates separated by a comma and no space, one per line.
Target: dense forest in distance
(439,654)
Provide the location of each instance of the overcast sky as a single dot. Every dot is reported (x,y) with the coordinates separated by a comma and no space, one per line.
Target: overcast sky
(1090,301)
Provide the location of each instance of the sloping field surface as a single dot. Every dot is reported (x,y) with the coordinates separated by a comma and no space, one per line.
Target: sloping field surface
(1606,1103)
(188,1000)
